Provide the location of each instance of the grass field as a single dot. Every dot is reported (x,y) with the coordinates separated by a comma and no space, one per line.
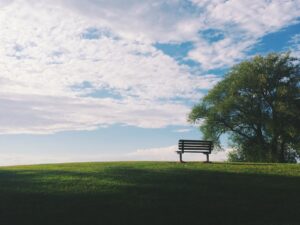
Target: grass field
(150,193)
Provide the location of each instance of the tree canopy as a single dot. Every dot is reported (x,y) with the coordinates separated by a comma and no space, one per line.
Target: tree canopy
(257,105)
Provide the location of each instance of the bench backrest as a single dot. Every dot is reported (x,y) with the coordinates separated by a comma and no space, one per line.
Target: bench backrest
(195,145)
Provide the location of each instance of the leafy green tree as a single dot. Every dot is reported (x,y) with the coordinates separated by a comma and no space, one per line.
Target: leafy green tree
(257,105)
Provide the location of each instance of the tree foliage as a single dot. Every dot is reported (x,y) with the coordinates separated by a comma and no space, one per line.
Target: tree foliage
(258,105)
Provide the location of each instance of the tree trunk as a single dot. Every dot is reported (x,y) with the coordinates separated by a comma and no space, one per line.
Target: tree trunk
(274,149)
(281,153)
(263,152)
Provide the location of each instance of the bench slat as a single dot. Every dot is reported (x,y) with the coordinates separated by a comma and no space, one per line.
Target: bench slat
(189,151)
(196,149)
(185,143)
(194,146)
(195,143)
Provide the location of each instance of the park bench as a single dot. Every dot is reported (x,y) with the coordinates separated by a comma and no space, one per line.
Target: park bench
(194,146)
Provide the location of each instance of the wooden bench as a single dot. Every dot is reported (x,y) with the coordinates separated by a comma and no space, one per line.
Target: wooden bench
(194,146)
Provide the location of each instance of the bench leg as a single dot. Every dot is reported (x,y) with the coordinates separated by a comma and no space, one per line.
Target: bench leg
(207,157)
(180,157)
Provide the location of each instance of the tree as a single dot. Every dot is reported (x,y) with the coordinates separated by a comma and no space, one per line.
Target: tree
(257,105)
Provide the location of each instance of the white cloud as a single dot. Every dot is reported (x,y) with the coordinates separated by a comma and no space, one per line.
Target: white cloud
(56,74)
(169,154)
(295,45)
(220,54)
(153,154)
(48,68)
(243,23)
(147,20)
(44,114)
(12,159)
(254,17)
(183,130)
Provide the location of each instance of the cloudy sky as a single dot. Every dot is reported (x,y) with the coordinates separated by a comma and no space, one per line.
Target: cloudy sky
(100,80)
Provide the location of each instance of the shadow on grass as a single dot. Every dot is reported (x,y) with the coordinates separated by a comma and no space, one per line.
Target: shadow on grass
(127,195)
(252,164)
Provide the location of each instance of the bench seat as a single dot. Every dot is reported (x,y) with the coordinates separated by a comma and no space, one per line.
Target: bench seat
(194,146)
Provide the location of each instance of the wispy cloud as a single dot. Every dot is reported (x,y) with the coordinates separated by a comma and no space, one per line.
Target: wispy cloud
(44,114)
(295,45)
(152,154)
(57,56)
(169,154)
(183,130)
(242,24)
(45,56)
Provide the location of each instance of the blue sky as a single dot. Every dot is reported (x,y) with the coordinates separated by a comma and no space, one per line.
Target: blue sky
(109,80)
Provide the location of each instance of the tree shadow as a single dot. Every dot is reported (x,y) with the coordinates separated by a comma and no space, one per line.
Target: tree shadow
(249,163)
(128,195)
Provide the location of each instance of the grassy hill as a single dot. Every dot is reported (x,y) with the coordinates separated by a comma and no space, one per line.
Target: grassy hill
(150,193)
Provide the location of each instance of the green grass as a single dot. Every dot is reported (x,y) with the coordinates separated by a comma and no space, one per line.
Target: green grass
(150,193)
